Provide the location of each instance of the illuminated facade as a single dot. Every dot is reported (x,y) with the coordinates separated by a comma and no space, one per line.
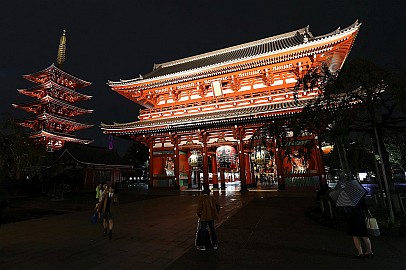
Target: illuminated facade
(55,94)
(221,98)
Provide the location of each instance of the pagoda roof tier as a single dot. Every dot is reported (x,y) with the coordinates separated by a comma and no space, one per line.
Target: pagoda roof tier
(280,48)
(53,73)
(37,105)
(60,137)
(30,122)
(252,114)
(56,90)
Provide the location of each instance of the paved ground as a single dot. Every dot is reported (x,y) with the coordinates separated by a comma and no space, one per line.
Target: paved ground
(258,230)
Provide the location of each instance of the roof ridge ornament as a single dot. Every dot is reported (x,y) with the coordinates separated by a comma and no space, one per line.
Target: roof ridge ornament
(60,59)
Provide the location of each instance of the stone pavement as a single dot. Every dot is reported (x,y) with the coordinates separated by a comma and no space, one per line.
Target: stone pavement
(272,232)
(258,230)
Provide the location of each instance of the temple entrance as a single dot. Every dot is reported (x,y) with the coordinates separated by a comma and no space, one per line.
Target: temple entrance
(266,181)
(231,181)
(196,180)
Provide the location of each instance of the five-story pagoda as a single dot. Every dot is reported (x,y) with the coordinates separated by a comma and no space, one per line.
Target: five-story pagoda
(53,123)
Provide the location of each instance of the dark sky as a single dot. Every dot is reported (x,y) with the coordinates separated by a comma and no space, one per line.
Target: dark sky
(112,40)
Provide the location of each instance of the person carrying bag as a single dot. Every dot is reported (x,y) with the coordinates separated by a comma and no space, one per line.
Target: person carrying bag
(372,225)
(207,210)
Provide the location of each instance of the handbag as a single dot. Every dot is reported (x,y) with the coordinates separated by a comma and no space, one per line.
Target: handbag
(94,218)
(372,226)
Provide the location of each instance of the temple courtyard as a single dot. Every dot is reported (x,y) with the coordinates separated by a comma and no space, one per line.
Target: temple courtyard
(156,230)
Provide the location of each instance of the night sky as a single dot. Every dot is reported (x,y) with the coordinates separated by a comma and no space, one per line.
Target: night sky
(112,40)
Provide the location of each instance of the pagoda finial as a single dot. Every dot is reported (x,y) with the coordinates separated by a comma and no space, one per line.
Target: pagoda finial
(61,50)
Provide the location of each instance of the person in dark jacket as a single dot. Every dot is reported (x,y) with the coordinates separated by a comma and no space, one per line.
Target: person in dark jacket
(357,228)
(207,210)
(107,207)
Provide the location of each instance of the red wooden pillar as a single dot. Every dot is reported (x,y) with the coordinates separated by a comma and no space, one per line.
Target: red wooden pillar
(279,166)
(222,179)
(151,164)
(189,175)
(205,167)
(241,158)
(320,165)
(248,171)
(214,171)
(176,163)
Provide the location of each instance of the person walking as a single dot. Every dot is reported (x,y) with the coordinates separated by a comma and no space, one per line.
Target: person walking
(107,207)
(207,210)
(103,189)
(357,228)
(98,192)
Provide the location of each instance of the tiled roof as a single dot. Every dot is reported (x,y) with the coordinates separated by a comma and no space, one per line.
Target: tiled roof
(53,69)
(93,155)
(58,136)
(267,46)
(48,99)
(56,118)
(230,54)
(51,85)
(204,119)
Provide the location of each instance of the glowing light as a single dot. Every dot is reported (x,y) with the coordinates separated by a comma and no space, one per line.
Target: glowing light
(226,157)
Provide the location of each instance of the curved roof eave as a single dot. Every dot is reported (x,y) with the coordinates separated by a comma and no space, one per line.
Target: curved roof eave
(53,66)
(311,41)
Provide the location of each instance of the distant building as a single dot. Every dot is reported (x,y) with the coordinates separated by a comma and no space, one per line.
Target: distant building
(84,166)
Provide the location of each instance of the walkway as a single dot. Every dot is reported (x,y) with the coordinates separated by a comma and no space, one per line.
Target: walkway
(260,230)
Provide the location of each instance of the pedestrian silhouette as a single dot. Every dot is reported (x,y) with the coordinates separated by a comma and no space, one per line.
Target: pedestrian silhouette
(107,207)
(357,228)
(207,211)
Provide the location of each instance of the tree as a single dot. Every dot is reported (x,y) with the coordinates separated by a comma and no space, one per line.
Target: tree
(361,98)
(19,156)
(379,114)
(137,154)
(327,116)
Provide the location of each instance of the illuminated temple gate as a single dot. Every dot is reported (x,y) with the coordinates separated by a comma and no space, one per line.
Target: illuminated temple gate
(197,104)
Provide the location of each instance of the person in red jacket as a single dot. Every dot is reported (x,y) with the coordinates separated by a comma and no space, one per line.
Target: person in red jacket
(207,210)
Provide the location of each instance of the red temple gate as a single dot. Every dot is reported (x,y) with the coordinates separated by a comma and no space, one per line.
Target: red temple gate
(222,98)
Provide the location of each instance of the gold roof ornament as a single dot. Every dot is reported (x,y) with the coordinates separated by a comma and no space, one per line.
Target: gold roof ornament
(61,49)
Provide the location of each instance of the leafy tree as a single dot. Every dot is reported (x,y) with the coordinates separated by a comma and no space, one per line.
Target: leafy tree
(137,153)
(396,148)
(327,115)
(361,158)
(19,156)
(361,98)
(380,114)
